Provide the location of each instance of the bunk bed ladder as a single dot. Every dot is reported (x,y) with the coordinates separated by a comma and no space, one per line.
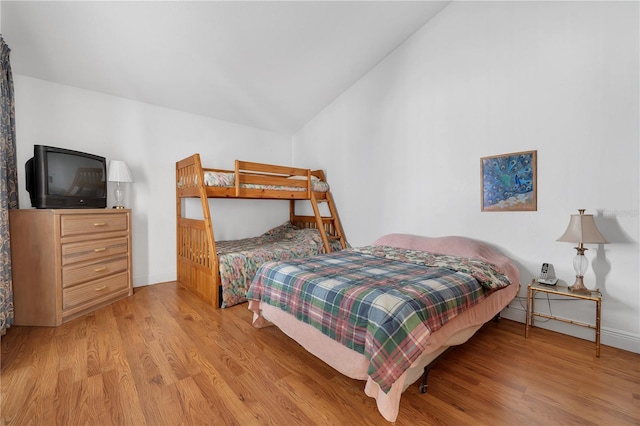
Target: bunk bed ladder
(335,228)
(334,222)
(329,226)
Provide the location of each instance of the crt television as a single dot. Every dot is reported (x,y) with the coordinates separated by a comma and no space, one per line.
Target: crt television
(59,178)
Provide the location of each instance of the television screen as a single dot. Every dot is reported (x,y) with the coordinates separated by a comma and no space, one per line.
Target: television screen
(75,175)
(64,178)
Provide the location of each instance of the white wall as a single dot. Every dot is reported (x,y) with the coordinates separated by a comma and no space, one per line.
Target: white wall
(150,140)
(485,78)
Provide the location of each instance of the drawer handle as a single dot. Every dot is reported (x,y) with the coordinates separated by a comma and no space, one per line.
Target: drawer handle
(102,287)
(100,249)
(100,269)
(99,224)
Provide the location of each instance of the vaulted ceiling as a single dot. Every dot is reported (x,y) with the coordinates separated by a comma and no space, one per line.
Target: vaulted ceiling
(270,65)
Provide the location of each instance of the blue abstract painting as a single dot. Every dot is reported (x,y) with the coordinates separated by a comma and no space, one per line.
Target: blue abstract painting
(509,182)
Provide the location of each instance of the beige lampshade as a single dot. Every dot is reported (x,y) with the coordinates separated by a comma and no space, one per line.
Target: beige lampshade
(582,229)
(119,172)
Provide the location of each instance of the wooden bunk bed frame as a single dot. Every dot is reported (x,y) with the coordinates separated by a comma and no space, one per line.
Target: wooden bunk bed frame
(197,257)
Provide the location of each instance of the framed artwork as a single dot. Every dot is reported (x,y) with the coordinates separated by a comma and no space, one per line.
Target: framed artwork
(509,182)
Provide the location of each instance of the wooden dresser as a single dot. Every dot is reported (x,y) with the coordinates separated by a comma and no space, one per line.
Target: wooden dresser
(67,262)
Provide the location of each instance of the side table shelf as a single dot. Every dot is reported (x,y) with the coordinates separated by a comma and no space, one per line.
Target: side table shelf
(535,287)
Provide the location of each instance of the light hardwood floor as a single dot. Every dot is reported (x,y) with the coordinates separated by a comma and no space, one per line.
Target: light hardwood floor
(163,357)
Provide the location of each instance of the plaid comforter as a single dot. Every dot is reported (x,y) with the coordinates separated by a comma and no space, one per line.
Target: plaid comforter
(383,302)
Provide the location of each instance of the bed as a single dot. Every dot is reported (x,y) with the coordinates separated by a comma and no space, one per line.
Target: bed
(197,251)
(239,260)
(335,306)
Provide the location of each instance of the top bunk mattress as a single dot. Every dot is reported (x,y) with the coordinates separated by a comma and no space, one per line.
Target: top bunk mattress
(228,180)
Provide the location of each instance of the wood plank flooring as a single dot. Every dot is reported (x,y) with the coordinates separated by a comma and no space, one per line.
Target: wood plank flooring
(163,357)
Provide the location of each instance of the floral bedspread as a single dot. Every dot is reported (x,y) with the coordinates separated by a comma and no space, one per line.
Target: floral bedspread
(240,259)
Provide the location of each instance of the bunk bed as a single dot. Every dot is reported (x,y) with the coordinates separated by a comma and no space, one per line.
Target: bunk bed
(386,313)
(201,259)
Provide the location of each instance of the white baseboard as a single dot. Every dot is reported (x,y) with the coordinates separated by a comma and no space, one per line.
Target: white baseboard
(609,337)
(155,279)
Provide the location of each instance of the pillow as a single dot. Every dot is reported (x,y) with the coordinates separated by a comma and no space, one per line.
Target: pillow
(219,179)
(317,185)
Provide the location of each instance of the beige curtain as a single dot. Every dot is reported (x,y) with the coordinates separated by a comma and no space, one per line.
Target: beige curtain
(8,183)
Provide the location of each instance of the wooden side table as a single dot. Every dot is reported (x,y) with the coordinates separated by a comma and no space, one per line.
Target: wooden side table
(535,287)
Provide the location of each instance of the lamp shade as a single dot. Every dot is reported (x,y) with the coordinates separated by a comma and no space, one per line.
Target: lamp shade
(119,172)
(582,229)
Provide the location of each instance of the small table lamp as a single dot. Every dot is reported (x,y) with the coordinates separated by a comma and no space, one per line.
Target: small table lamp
(582,230)
(119,172)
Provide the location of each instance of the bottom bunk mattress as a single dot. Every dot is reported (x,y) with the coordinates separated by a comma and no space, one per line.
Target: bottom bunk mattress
(239,260)
(381,313)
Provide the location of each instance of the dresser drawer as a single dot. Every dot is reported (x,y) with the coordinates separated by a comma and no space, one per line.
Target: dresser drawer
(73,275)
(91,223)
(94,290)
(97,249)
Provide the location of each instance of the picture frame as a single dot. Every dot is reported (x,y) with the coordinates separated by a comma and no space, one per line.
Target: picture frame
(509,182)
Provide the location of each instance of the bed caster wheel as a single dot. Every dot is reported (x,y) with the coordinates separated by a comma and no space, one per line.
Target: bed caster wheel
(423,388)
